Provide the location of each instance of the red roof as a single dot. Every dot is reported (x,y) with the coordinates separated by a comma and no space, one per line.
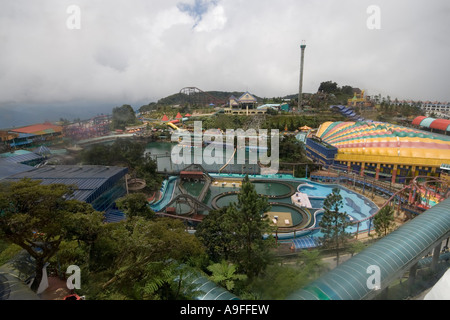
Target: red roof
(37,128)
(188,115)
(179,116)
(165,118)
(440,124)
(418,120)
(191,174)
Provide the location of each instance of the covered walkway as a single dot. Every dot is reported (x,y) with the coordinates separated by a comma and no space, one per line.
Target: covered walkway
(394,255)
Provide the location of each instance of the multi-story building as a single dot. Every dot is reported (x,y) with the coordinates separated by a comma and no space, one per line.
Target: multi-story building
(245,105)
(380,150)
(436,107)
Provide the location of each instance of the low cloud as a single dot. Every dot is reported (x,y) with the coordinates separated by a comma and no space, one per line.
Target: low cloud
(140,51)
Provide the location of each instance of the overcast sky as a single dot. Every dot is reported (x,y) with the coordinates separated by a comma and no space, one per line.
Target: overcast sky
(139,51)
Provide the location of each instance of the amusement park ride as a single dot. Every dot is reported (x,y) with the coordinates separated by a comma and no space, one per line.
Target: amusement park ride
(178,119)
(426,192)
(196,96)
(422,193)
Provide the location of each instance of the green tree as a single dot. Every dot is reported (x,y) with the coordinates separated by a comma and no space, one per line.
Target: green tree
(123,116)
(334,223)
(8,251)
(149,259)
(147,169)
(224,274)
(293,151)
(328,87)
(127,153)
(98,154)
(348,90)
(276,282)
(311,262)
(384,221)
(356,247)
(236,233)
(287,277)
(135,205)
(214,236)
(148,107)
(247,221)
(38,218)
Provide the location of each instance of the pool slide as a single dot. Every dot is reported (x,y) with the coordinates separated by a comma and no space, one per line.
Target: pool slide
(167,190)
(173,126)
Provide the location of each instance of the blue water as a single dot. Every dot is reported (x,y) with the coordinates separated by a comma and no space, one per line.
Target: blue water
(167,193)
(354,205)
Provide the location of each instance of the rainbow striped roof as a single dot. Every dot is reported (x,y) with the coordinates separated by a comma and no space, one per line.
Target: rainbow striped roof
(382,140)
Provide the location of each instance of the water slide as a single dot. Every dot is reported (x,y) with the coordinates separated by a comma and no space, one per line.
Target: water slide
(395,253)
(167,191)
(170,124)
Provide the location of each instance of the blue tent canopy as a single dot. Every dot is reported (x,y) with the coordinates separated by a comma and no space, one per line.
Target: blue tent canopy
(305,243)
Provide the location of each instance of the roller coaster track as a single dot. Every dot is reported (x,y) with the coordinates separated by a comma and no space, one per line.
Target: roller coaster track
(189,200)
(397,194)
(193,95)
(229,160)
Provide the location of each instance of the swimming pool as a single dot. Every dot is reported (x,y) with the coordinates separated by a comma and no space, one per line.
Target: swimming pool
(355,205)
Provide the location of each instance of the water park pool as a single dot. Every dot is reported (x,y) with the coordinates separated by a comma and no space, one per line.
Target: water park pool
(279,190)
(355,205)
(282,215)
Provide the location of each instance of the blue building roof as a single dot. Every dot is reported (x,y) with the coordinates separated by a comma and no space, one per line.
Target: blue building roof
(8,168)
(21,156)
(90,181)
(305,243)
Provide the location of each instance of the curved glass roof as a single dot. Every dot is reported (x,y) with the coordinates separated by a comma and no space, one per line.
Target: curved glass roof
(393,254)
(208,290)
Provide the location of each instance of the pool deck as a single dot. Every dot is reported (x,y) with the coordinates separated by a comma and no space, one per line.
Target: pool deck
(301,200)
(227,182)
(281,219)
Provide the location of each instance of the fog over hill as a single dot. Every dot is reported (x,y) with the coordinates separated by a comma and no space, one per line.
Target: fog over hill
(74,63)
(22,114)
